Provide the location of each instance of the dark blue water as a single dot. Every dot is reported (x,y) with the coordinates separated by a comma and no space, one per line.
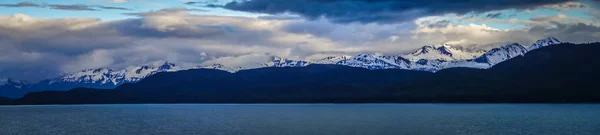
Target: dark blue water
(325,119)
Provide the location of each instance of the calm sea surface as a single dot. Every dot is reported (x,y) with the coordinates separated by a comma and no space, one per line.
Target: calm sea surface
(302,119)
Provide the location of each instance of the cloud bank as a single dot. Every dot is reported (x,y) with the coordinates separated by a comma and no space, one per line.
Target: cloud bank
(40,48)
(381,11)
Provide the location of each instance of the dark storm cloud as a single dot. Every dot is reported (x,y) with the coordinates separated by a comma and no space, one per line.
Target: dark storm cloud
(279,17)
(72,7)
(494,15)
(113,8)
(207,3)
(381,11)
(22,4)
(81,7)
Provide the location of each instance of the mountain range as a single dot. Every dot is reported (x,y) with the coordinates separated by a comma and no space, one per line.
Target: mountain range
(561,73)
(431,58)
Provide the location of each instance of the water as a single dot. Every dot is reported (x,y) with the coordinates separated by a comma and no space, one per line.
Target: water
(302,119)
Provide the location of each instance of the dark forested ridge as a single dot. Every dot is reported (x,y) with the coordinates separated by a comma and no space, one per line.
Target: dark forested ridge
(562,73)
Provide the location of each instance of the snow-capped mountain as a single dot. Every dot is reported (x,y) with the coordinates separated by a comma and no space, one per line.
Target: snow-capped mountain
(497,55)
(16,84)
(103,78)
(443,52)
(13,88)
(276,61)
(140,72)
(91,76)
(113,77)
(433,59)
(369,61)
(373,62)
(427,58)
(544,42)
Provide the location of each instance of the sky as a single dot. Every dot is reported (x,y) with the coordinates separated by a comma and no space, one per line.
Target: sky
(41,39)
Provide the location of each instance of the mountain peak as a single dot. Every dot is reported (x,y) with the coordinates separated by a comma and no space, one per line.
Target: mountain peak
(503,53)
(445,49)
(218,65)
(365,55)
(16,82)
(443,52)
(166,66)
(544,42)
(424,50)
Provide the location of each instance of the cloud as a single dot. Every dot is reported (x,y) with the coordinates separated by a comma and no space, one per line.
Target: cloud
(473,34)
(166,12)
(565,6)
(71,7)
(43,44)
(380,11)
(22,4)
(494,15)
(95,59)
(117,1)
(280,17)
(48,47)
(57,46)
(563,19)
(439,24)
(577,33)
(512,21)
(113,8)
